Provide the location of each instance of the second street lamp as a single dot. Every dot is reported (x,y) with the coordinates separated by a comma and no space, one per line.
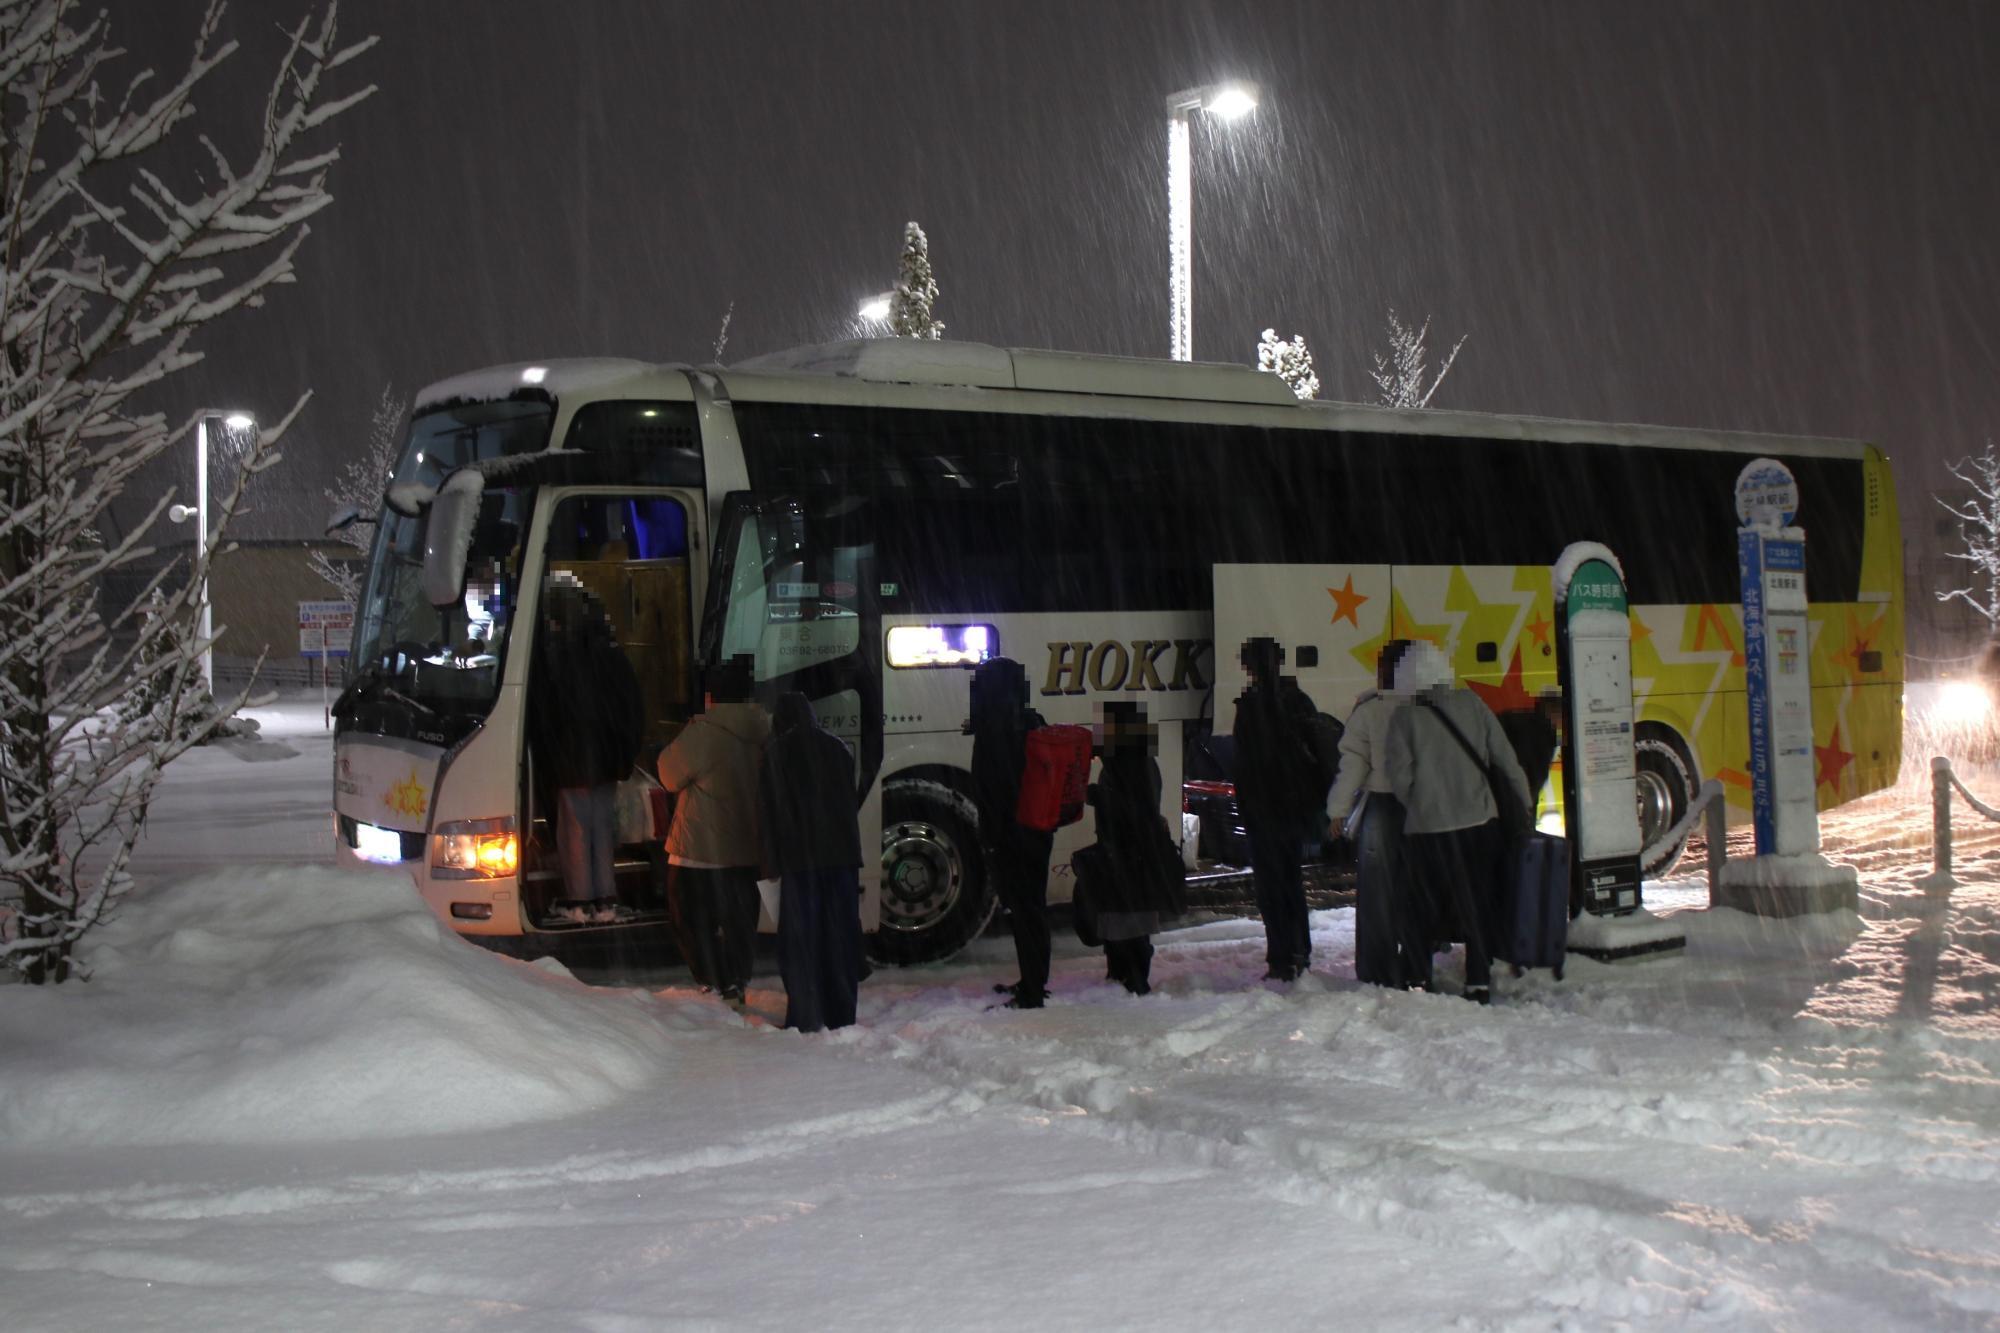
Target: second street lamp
(1229,101)
(235,421)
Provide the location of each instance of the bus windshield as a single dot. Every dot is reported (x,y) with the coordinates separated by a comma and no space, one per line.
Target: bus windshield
(447,660)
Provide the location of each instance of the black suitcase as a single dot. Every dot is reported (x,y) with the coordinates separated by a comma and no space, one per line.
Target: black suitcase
(1533,925)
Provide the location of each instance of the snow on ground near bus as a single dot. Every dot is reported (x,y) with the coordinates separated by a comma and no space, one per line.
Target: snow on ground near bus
(1793,1124)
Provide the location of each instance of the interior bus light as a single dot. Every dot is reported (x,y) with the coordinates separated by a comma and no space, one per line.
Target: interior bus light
(475,849)
(942,645)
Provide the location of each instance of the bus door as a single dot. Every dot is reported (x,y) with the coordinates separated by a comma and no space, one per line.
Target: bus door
(624,556)
(792,586)
(1331,621)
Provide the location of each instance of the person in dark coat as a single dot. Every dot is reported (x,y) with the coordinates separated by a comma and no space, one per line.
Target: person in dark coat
(1275,796)
(1532,735)
(1000,721)
(1137,873)
(585,721)
(810,826)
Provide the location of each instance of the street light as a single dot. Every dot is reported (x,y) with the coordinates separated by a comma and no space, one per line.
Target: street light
(1227,101)
(236,421)
(875,310)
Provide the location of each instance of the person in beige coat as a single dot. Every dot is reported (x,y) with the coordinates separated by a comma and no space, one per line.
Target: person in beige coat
(712,845)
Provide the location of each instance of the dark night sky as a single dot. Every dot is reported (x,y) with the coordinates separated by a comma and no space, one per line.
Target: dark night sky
(1763,216)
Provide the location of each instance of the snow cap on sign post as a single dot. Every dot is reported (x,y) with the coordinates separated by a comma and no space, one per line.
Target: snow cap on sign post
(1767,495)
(1572,559)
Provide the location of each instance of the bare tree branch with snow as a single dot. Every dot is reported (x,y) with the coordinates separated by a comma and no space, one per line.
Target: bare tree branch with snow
(1291,362)
(1400,375)
(722,334)
(359,487)
(113,264)
(1979,530)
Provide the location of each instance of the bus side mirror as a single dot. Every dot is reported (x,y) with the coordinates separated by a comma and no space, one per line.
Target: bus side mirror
(344,518)
(449,537)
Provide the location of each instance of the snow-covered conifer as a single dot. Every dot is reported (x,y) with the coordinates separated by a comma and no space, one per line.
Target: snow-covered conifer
(1400,375)
(1291,362)
(116,256)
(916,290)
(360,486)
(1978,515)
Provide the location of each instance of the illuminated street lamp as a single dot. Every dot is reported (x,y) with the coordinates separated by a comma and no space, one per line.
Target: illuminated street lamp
(235,421)
(1227,101)
(875,310)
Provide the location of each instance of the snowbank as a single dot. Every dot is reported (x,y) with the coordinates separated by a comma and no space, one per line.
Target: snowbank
(267,1005)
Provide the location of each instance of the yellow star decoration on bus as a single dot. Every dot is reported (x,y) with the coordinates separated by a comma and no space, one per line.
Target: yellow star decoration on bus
(1346,602)
(405,797)
(1399,624)
(1483,622)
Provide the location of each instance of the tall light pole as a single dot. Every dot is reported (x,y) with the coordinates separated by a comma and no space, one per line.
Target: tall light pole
(1227,101)
(181,514)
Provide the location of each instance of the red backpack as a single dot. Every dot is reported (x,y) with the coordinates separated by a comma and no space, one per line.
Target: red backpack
(1054,777)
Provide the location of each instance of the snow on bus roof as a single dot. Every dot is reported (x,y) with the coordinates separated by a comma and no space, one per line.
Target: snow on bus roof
(554,378)
(979,365)
(941,363)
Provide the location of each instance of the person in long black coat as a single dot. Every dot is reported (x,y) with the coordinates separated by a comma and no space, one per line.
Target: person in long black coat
(1137,873)
(811,832)
(585,720)
(1275,797)
(1000,721)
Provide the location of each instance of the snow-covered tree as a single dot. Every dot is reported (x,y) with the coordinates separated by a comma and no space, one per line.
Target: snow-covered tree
(1400,375)
(115,256)
(360,486)
(1291,362)
(1978,515)
(916,290)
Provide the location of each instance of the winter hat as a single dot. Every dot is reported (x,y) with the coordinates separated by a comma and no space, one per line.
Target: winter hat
(1424,665)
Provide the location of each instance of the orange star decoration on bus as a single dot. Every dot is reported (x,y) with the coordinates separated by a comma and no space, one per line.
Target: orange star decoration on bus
(1540,627)
(405,797)
(1509,696)
(1833,760)
(1707,619)
(1346,602)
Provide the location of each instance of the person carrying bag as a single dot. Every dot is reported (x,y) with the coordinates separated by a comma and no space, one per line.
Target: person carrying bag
(1465,801)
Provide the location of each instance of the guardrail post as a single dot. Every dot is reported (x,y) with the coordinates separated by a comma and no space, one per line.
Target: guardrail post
(1940,876)
(1716,816)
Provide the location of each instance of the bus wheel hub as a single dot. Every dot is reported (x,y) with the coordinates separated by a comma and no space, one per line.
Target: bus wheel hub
(923,875)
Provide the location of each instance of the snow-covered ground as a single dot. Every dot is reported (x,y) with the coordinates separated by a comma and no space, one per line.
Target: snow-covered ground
(1792,1125)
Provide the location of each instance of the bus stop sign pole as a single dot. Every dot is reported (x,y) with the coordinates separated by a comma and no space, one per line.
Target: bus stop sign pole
(1599,760)
(1777,655)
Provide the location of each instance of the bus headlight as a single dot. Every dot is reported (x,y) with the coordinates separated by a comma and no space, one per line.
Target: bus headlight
(475,849)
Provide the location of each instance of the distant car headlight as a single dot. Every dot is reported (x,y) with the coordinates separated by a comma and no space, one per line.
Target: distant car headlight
(1964,703)
(475,849)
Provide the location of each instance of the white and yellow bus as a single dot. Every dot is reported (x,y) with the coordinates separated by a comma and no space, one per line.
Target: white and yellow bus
(868,519)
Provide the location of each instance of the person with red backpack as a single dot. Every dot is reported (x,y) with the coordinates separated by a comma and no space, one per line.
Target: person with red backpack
(1016,856)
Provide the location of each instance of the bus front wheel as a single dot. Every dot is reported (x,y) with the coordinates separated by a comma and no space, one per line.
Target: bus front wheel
(936,896)
(1666,786)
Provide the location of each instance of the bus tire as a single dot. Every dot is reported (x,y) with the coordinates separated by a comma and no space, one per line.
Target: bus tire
(936,894)
(1666,787)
